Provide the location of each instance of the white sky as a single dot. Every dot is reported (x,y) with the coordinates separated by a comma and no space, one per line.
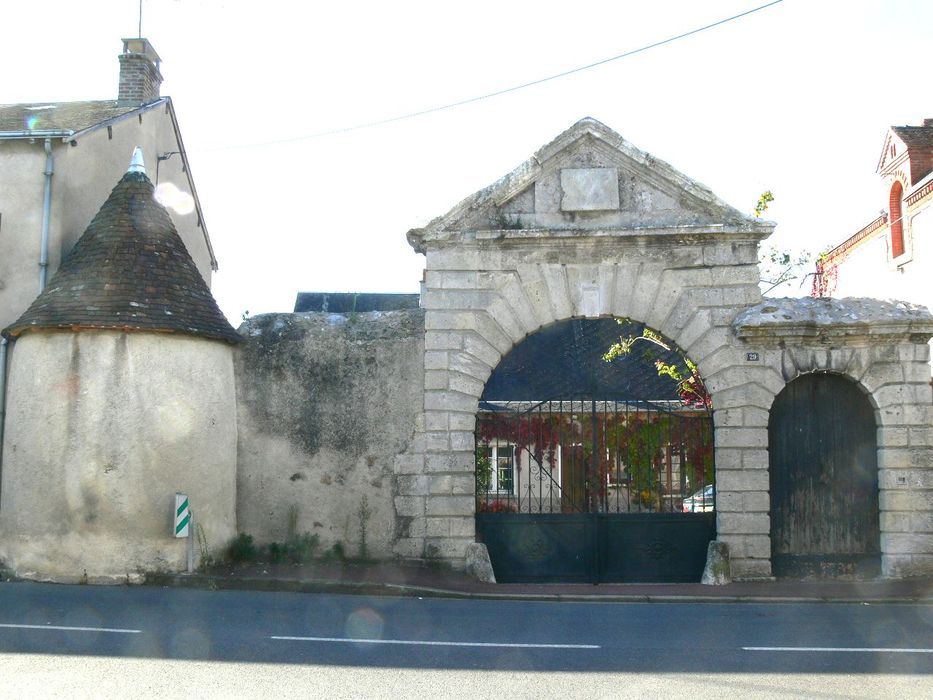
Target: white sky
(795,99)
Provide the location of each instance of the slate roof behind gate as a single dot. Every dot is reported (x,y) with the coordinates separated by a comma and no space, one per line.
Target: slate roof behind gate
(564,362)
(129,271)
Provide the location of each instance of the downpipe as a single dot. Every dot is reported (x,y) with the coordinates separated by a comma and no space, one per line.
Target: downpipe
(46,214)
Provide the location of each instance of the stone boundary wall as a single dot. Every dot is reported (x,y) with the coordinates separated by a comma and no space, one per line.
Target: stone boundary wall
(328,406)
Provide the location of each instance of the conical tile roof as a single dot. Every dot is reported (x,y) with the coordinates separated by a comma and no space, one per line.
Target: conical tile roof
(129,271)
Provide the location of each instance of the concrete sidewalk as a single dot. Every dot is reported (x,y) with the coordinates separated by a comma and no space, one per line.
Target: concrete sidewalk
(400,579)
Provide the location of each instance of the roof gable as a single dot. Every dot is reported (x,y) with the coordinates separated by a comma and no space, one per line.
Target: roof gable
(589,177)
(71,121)
(907,153)
(893,152)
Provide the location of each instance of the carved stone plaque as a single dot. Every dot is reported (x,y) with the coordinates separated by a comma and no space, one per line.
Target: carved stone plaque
(589,189)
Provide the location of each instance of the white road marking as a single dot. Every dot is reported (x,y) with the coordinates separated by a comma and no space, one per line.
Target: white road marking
(416,642)
(873,650)
(70,629)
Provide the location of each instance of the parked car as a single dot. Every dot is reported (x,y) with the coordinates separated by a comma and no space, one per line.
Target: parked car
(703,501)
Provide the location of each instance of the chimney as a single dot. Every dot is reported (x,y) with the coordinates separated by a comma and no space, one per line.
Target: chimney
(928,122)
(140,78)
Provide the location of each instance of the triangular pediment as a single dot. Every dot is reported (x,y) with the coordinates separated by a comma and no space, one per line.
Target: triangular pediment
(893,153)
(589,178)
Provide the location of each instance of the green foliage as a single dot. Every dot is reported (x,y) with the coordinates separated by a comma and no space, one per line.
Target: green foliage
(297,550)
(206,559)
(762,206)
(483,470)
(303,547)
(336,552)
(276,552)
(241,549)
(690,385)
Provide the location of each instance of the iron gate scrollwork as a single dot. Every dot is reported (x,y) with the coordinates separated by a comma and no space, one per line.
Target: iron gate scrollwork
(604,486)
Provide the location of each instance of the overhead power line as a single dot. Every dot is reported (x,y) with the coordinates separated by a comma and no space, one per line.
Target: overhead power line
(505,91)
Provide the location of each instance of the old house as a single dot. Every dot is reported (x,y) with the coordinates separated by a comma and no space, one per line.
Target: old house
(59,160)
(891,256)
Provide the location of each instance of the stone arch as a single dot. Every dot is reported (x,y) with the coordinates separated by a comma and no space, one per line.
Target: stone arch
(474,318)
(850,363)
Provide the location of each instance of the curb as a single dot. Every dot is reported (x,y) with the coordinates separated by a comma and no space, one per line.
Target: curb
(369,588)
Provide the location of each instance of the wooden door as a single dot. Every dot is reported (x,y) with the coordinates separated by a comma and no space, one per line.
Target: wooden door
(824,480)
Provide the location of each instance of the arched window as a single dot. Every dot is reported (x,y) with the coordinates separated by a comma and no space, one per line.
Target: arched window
(895,222)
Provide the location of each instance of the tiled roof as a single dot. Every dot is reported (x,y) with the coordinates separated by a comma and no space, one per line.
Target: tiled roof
(60,116)
(915,136)
(129,271)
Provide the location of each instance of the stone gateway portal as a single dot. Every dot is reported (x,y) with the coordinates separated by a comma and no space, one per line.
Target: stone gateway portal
(589,230)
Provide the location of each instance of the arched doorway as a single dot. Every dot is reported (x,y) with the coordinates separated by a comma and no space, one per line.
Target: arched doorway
(594,468)
(824,480)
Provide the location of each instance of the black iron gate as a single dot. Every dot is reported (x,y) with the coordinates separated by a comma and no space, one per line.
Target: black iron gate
(824,480)
(609,486)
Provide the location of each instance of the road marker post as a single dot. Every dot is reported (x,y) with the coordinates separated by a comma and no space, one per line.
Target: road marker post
(184,525)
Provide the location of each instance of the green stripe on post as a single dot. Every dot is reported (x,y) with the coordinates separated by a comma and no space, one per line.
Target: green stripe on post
(182,524)
(182,508)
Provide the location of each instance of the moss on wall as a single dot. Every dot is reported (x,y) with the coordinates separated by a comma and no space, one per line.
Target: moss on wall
(325,403)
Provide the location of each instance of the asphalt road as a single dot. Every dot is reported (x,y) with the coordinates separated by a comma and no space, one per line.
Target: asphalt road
(78,640)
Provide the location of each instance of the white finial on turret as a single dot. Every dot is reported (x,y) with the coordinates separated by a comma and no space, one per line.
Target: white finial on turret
(137,165)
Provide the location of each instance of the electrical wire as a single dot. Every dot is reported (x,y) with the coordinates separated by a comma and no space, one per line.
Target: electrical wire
(504,91)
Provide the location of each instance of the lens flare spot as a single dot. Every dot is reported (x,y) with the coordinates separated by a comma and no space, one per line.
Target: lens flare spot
(176,421)
(364,623)
(170,197)
(32,121)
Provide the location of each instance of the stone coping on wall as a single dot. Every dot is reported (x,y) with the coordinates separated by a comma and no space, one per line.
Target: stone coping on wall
(834,320)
